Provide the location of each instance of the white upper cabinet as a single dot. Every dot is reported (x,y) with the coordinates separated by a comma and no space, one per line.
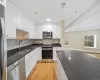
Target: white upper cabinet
(38,32)
(52,27)
(16,19)
(10,20)
(56,31)
(23,23)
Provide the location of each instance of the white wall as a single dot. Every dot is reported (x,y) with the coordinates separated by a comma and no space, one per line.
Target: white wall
(88,24)
(76,39)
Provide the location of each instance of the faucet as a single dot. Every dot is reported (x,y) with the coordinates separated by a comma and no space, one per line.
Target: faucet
(20,41)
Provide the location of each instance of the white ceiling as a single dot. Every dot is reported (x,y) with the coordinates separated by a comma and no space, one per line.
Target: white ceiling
(52,9)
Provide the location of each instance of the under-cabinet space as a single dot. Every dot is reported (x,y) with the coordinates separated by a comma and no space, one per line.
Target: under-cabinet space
(20,34)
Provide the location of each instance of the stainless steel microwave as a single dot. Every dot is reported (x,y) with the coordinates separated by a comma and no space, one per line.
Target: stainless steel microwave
(47,35)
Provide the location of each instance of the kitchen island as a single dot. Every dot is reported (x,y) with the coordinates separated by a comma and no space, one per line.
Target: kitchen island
(79,65)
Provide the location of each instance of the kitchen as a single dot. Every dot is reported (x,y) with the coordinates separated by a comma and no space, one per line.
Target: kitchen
(59,41)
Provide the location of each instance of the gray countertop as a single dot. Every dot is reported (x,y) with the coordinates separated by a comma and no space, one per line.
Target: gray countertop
(19,55)
(79,65)
(14,55)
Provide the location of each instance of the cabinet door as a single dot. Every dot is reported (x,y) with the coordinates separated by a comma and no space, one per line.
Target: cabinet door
(56,31)
(23,23)
(10,20)
(34,57)
(60,71)
(31,29)
(31,59)
(54,52)
(38,32)
(27,65)
(39,53)
(20,20)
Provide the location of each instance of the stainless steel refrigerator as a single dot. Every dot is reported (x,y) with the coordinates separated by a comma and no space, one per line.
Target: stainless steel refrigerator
(3,50)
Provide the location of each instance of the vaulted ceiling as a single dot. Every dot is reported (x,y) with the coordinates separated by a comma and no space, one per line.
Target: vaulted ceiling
(40,10)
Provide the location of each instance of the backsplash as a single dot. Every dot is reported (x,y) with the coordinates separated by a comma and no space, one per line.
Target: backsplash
(12,43)
(46,41)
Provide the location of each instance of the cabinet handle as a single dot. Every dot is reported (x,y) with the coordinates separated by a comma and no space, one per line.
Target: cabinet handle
(13,67)
(16,65)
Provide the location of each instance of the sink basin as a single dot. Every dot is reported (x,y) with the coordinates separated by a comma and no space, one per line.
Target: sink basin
(21,52)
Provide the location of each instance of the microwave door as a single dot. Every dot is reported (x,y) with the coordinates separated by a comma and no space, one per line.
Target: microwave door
(3,51)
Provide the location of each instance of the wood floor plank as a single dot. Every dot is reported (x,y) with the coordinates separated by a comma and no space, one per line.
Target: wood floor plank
(44,71)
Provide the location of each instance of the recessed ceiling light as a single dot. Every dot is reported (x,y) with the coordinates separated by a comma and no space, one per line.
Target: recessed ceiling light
(48,19)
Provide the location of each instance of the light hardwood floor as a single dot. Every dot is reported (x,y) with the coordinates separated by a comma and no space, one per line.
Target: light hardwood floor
(43,71)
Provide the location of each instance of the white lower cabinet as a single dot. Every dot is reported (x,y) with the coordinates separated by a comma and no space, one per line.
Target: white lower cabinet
(27,65)
(60,71)
(54,52)
(31,59)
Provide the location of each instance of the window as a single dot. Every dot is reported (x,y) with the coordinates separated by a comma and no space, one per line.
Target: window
(90,41)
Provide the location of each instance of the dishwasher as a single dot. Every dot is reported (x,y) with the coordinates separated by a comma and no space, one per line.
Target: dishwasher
(16,71)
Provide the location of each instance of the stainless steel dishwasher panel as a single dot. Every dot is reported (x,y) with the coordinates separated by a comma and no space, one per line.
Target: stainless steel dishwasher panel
(22,69)
(16,71)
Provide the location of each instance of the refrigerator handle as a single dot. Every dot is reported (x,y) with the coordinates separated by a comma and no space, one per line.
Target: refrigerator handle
(4,49)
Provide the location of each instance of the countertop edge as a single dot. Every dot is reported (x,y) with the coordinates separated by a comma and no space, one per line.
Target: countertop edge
(20,57)
(61,63)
